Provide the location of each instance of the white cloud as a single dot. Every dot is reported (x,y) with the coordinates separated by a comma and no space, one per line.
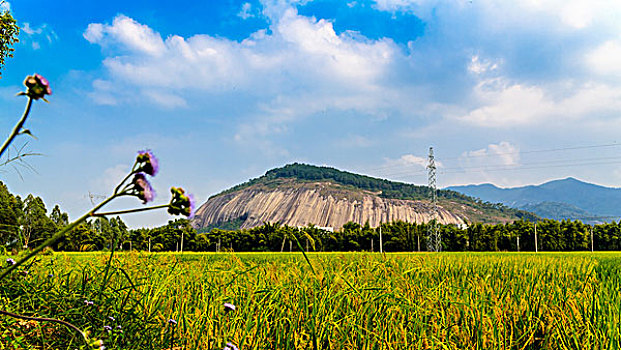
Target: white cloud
(412,160)
(477,63)
(246,11)
(30,31)
(494,157)
(5,6)
(480,65)
(109,179)
(131,34)
(605,59)
(408,167)
(35,35)
(574,14)
(301,68)
(506,105)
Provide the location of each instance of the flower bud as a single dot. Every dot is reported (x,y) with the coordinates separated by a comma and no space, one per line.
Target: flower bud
(181,203)
(37,86)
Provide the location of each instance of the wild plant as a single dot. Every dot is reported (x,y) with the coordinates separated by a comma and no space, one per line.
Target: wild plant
(135,184)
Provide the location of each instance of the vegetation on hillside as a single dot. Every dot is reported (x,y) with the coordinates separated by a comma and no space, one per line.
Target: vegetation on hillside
(485,211)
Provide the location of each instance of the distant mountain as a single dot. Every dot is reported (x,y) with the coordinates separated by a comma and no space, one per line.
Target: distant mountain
(301,194)
(559,199)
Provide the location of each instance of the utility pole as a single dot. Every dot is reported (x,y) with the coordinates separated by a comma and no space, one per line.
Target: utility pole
(381,242)
(518,243)
(182,241)
(371,245)
(434,241)
(591,229)
(536,250)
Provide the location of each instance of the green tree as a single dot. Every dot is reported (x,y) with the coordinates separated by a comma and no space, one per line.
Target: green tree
(8,35)
(36,226)
(10,215)
(59,218)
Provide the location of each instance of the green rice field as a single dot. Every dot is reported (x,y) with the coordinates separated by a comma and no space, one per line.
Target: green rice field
(338,301)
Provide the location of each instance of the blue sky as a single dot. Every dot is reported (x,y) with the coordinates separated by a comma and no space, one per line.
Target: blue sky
(511,93)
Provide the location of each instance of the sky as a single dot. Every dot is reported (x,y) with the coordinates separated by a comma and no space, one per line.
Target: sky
(506,92)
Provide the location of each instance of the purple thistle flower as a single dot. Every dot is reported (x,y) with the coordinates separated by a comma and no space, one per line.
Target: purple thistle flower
(230,346)
(149,162)
(171,321)
(24,273)
(37,86)
(50,275)
(44,83)
(119,328)
(107,328)
(111,318)
(88,302)
(10,261)
(143,188)
(229,307)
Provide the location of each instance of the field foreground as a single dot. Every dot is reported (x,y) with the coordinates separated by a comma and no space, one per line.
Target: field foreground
(344,301)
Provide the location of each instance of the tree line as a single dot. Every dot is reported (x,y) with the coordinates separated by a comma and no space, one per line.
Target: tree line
(26,222)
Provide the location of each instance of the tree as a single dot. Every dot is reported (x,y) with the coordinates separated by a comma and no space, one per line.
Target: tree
(10,215)
(36,226)
(8,34)
(59,218)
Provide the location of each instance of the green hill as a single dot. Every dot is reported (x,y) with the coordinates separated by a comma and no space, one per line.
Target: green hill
(477,211)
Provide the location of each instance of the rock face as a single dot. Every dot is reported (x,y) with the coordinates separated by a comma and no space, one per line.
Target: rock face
(322,204)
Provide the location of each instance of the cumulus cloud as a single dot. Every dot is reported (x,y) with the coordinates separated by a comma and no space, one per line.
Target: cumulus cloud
(5,6)
(479,64)
(134,36)
(299,69)
(506,105)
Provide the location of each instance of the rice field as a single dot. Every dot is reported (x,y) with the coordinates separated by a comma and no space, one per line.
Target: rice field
(338,301)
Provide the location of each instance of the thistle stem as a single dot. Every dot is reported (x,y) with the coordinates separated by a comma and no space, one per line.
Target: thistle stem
(116,190)
(128,211)
(17,128)
(55,238)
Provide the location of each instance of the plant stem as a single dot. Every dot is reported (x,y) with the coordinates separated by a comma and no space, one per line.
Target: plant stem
(128,211)
(17,128)
(55,238)
(105,279)
(42,319)
(116,190)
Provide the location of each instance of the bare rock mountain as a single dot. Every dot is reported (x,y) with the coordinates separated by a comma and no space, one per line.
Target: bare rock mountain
(299,195)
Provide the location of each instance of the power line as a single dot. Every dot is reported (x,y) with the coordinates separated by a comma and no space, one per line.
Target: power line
(523,166)
(488,155)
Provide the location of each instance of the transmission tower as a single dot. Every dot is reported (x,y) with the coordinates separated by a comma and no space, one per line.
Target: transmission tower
(434,241)
(92,197)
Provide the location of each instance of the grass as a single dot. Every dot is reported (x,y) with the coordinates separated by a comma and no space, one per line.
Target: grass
(350,301)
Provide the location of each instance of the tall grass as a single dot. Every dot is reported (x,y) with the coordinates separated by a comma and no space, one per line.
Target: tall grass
(349,301)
